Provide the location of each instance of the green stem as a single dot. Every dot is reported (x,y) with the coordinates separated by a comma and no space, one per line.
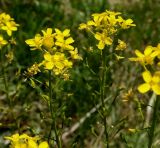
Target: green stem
(5,80)
(53,125)
(154,119)
(103,92)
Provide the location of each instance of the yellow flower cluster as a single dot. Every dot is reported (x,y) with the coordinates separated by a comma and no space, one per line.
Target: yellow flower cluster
(58,50)
(152,82)
(8,25)
(105,25)
(33,70)
(25,141)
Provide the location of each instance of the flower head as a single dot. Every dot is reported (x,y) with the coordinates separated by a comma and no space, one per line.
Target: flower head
(2,41)
(25,141)
(103,40)
(36,42)
(151,83)
(146,58)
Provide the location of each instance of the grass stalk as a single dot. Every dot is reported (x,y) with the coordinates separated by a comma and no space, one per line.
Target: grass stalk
(53,116)
(153,124)
(103,92)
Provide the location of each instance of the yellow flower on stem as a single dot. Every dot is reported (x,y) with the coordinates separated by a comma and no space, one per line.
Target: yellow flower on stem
(74,54)
(121,45)
(62,34)
(2,41)
(127,24)
(43,145)
(151,83)
(65,44)
(10,27)
(25,141)
(103,40)
(146,58)
(35,43)
(48,38)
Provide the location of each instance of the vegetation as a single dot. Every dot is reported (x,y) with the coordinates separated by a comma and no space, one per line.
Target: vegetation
(79,74)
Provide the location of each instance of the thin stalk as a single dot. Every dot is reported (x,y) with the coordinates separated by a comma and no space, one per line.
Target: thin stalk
(5,80)
(103,92)
(154,119)
(53,125)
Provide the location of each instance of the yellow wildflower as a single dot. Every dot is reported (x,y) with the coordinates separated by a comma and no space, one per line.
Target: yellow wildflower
(127,24)
(10,56)
(103,40)
(10,27)
(151,83)
(74,54)
(33,70)
(2,41)
(25,141)
(119,57)
(43,145)
(121,45)
(64,43)
(62,34)
(147,57)
(57,62)
(48,38)
(35,43)
(87,26)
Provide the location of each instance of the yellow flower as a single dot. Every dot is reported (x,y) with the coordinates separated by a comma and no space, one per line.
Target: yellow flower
(119,57)
(35,43)
(127,24)
(25,141)
(147,57)
(10,27)
(2,41)
(5,18)
(64,44)
(33,70)
(74,54)
(32,144)
(151,83)
(103,40)
(57,62)
(48,38)
(62,34)
(87,26)
(43,145)
(121,45)
(48,63)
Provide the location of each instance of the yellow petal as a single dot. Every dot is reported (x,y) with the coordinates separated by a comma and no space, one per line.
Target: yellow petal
(156,89)
(156,78)
(101,45)
(148,50)
(108,41)
(147,77)
(47,57)
(49,65)
(66,32)
(69,40)
(143,88)
(138,53)
(43,145)
(32,144)
(57,31)
(49,30)
(97,36)
(30,42)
